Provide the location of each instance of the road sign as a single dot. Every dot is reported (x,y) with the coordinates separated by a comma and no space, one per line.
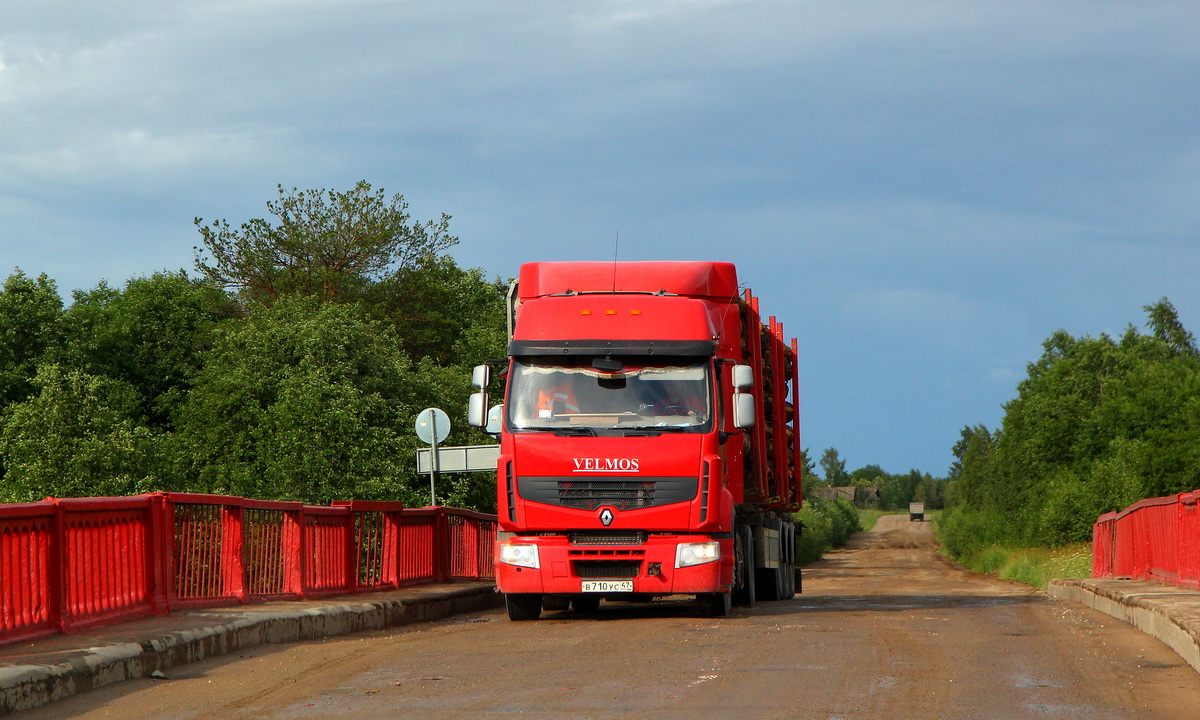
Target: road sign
(433,423)
(433,426)
(464,458)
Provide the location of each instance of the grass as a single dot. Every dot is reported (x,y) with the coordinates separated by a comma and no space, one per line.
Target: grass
(867,518)
(1033,566)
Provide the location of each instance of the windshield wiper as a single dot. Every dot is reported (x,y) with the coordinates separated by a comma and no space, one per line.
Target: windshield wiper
(658,430)
(573,431)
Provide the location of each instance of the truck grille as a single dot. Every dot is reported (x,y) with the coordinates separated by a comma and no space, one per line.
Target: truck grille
(592,493)
(589,495)
(614,537)
(607,568)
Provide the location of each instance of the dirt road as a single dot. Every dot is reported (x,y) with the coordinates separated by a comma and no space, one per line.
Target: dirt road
(884,629)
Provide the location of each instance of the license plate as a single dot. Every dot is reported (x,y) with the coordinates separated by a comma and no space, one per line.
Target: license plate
(606,586)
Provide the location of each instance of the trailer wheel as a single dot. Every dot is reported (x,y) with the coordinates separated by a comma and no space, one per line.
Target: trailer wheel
(789,567)
(523,606)
(716,604)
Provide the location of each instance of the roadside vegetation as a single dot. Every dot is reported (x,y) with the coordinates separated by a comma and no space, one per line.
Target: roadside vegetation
(827,525)
(1032,565)
(1098,423)
(290,366)
(868,516)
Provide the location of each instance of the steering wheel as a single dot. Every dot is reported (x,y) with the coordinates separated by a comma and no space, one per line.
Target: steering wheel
(676,410)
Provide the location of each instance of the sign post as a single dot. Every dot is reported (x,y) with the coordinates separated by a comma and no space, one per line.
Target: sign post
(433,426)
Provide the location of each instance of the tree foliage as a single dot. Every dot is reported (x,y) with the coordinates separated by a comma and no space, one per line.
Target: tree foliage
(151,335)
(834,468)
(894,491)
(1097,424)
(30,326)
(292,369)
(79,435)
(301,402)
(333,245)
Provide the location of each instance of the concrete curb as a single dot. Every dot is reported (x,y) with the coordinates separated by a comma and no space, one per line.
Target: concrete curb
(36,679)
(1170,614)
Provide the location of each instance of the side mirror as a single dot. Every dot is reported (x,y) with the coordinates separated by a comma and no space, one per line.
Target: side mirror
(495,420)
(481,376)
(477,410)
(743,410)
(743,377)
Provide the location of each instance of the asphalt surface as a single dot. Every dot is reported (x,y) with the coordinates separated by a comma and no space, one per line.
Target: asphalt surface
(885,629)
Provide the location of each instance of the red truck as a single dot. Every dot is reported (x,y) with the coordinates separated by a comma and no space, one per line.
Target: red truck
(649,441)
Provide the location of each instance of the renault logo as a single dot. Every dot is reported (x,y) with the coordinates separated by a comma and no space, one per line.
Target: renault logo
(606,517)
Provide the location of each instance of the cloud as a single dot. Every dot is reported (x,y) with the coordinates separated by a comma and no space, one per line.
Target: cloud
(896,176)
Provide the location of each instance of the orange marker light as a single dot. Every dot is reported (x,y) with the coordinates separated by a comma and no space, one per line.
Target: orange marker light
(610,312)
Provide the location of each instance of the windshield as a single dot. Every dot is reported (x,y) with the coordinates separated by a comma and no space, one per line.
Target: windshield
(570,395)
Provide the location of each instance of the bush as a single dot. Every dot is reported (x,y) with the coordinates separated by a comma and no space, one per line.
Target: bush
(827,524)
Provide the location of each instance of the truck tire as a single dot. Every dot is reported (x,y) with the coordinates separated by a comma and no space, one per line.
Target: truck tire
(789,568)
(744,595)
(716,604)
(523,606)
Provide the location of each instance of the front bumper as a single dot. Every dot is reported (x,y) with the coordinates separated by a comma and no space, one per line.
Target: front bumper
(651,566)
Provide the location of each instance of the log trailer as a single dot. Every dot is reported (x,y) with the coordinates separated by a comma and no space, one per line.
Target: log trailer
(650,439)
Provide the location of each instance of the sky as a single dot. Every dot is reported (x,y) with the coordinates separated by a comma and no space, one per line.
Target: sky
(922,192)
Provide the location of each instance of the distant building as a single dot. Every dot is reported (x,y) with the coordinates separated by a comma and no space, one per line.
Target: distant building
(864,497)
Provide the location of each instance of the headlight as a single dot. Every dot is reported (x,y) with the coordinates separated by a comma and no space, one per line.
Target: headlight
(519,555)
(688,554)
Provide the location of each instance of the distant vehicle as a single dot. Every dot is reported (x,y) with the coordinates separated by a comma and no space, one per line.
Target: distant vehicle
(916,512)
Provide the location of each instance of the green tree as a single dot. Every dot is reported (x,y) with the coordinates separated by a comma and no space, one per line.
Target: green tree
(868,476)
(328,244)
(835,468)
(1164,321)
(30,326)
(809,479)
(443,312)
(151,335)
(306,401)
(1097,423)
(79,435)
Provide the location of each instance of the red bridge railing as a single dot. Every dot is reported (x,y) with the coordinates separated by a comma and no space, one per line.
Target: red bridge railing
(1156,539)
(71,564)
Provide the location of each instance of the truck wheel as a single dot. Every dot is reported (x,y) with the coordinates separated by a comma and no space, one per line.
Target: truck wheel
(716,604)
(523,606)
(586,603)
(744,595)
(789,568)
